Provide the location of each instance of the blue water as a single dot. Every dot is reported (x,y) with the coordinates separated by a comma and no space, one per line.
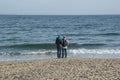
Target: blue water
(26,37)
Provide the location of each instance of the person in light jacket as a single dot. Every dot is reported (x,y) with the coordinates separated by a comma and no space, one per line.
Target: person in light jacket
(65,44)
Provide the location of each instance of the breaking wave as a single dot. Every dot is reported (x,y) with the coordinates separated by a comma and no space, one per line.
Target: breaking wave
(50,46)
(95,51)
(70,51)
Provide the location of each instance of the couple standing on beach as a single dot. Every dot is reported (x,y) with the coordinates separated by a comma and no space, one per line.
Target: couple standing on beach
(61,44)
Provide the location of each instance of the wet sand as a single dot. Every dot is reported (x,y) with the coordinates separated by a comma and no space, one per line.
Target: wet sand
(61,69)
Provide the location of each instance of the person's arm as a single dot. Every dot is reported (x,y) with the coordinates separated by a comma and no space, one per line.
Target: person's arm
(56,41)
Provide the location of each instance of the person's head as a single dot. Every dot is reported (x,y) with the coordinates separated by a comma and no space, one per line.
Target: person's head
(60,37)
(64,37)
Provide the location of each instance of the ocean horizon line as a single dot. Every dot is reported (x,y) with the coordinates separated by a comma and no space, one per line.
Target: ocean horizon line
(58,14)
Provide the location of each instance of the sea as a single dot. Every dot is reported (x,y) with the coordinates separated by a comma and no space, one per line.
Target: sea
(31,37)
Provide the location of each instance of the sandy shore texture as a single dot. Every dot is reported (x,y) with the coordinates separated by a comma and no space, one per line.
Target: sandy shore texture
(61,69)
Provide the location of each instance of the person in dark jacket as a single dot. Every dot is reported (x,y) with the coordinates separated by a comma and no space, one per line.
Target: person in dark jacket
(59,46)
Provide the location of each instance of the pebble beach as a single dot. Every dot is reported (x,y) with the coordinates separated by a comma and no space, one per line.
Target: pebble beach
(61,69)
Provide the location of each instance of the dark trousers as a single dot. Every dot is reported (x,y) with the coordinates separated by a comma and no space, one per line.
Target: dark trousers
(64,52)
(59,51)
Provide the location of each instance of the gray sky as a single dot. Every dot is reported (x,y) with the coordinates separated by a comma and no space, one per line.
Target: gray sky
(60,7)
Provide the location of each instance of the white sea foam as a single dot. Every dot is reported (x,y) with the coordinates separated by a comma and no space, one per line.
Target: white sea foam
(94,51)
(71,51)
(39,52)
(75,51)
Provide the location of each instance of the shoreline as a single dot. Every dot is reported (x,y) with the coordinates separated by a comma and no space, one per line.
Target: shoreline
(61,69)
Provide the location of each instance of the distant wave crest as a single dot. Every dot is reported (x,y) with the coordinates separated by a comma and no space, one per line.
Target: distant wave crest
(109,34)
